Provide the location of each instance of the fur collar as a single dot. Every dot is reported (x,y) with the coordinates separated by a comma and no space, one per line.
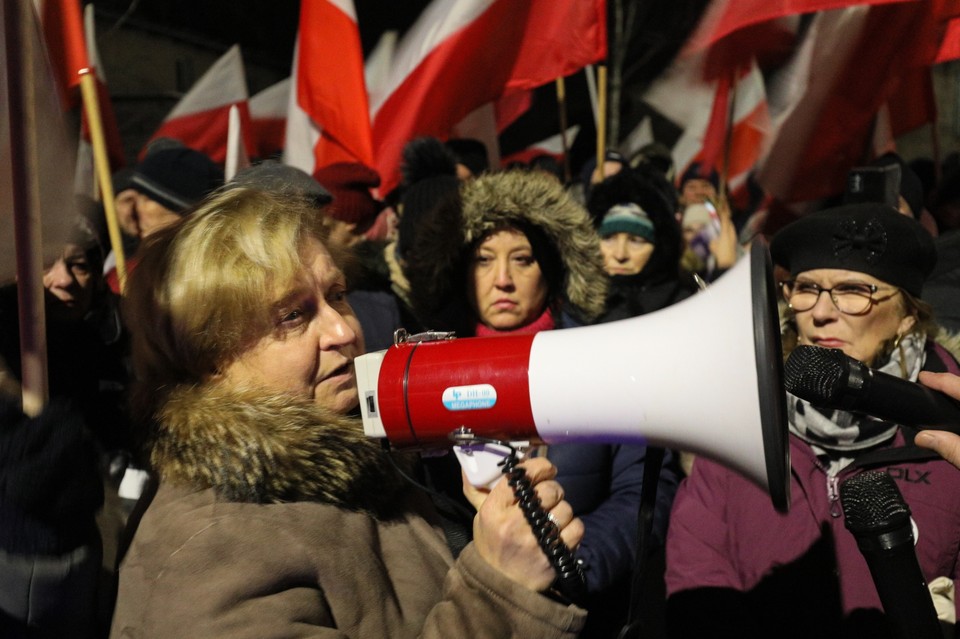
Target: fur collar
(252,447)
(950,341)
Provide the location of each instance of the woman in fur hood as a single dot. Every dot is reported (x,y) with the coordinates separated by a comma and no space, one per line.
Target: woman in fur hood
(275,516)
(514,253)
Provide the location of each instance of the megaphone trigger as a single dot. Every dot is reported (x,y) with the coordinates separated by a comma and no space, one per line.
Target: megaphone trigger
(482,460)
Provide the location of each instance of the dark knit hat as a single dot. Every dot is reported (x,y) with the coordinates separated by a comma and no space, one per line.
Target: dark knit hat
(911,187)
(698,171)
(875,239)
(350,184)
(418,200)
(275,177)
(471,153)
(176,178)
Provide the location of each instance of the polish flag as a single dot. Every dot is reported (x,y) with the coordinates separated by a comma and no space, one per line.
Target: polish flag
(328,119)
(85,178)
(950,49)
(825,105)
(462,54)
(237,158)
(268,115)
(44,184)
(724,17)
(201,118)
(63,35)
(552,146)
(730,143)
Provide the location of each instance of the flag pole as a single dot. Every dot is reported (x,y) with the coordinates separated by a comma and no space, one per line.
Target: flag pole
(91,106)
(21,91)
(562,105)
(601,117)
(728,134)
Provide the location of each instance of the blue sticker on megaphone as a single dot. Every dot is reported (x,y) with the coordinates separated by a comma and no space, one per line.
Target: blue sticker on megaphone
(476,397)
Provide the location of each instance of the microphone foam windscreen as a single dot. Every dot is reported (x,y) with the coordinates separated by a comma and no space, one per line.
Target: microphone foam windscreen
(816,374)
(872,503)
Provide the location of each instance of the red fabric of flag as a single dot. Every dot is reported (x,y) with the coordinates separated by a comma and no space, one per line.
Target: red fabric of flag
(330,82)
(63,35)
(503,47)
(724,17)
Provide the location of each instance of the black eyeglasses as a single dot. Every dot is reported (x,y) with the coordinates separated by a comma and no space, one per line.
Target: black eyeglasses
(849,297)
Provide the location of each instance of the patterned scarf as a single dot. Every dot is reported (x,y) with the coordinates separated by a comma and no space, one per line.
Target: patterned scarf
(836,431)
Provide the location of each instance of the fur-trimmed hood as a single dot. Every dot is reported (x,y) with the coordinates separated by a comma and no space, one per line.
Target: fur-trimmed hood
(255,447)
(438,262)
(950,341)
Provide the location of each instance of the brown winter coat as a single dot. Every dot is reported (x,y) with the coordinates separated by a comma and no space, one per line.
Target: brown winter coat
(276,519)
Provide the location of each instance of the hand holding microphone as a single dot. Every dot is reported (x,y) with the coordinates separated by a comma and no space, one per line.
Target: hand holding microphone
(829,378)
(946,444)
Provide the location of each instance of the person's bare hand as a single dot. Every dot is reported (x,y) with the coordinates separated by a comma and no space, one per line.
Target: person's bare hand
(503,536)
(946,444)
(724,246)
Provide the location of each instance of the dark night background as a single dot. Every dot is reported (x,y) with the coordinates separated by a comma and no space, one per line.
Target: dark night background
(266,32)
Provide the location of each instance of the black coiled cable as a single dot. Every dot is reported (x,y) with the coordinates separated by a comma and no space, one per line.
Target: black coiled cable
(570,582)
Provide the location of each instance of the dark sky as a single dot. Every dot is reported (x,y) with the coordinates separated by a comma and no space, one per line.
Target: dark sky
(265,29)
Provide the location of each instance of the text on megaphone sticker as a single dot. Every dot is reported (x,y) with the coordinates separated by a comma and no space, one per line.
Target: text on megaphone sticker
(476,397)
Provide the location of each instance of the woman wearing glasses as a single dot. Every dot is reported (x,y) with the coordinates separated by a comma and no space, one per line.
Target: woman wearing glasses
(736,567)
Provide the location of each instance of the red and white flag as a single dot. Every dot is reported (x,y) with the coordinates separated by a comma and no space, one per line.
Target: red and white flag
(462,54)
(725,17)
(44,132)
(237,158)
(825,105)
(268,115)
(201,118)
(63,35)
(84,181)
(552,146)
(328,117)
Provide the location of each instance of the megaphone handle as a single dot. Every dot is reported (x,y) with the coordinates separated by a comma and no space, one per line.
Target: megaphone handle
(570,582)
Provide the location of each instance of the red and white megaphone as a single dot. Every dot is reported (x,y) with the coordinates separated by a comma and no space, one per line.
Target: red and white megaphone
(704,375)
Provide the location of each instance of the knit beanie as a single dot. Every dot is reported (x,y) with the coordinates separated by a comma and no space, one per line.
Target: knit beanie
(274,177)
(176,178)
(471,153)
(417,201)
(627,218)
(698,171)
(350,184)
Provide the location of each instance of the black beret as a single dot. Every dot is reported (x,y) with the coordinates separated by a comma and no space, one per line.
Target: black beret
(875,239)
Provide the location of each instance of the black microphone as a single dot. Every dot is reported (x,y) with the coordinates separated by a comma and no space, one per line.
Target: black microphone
(876,514)
(828,378)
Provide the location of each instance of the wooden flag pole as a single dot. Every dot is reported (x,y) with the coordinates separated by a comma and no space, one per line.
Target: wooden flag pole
(601,116)
(728,134)
(562,105)
(22,71)
(101,163)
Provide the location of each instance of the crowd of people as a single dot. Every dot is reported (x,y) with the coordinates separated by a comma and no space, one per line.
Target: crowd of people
(201,468)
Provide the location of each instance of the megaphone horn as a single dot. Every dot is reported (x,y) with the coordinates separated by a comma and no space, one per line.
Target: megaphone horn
(704,375)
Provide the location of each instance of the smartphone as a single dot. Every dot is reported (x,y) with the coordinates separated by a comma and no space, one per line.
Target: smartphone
(874,184)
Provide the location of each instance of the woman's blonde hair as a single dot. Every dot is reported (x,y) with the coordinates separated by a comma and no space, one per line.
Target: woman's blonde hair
(204,288)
